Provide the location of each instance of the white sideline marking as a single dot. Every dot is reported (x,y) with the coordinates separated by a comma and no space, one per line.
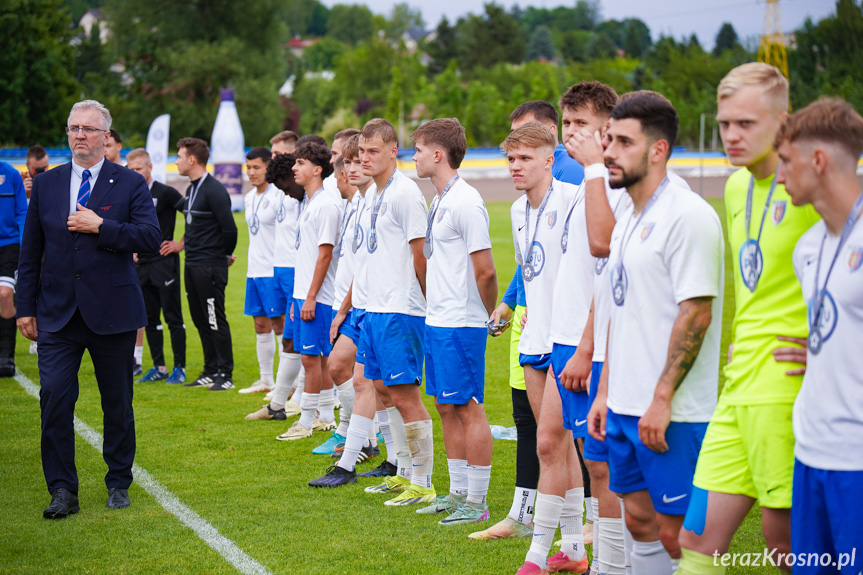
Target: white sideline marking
(210,535)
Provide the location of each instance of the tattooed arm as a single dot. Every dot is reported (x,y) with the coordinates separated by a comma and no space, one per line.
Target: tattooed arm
(693,319)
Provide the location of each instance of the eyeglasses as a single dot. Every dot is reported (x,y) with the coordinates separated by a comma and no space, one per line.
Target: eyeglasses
(89,130)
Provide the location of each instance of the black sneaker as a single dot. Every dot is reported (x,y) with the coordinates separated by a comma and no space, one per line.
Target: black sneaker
(221,382)
(203,380)
(367,453)
(335,477)
(385,469)
(7,367)
(137,370)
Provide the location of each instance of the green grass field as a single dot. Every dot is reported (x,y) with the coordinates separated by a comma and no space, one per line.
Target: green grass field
(249,486)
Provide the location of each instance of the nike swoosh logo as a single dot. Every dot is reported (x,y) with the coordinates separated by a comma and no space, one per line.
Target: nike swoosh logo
(449,394)
(582,422)
(667,499)
(308,346)
(396,375)
(521,228)
(169,282)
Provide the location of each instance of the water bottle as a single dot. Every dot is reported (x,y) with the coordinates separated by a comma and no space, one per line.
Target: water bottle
(506,433)
(227,149)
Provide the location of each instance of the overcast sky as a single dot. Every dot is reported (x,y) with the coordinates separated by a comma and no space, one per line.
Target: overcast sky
(676,18)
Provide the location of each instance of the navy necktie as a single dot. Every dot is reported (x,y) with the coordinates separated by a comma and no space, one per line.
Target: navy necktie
(84,190)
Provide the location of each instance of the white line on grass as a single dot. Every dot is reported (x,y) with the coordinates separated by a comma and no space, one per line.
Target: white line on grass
(211,536)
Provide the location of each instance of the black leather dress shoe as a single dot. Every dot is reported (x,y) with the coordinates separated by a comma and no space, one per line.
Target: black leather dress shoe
(63,503)
(117,498)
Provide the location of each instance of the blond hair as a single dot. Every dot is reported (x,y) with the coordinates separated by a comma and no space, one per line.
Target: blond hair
(768,78)
(380,128)
(533,134)
(139,153)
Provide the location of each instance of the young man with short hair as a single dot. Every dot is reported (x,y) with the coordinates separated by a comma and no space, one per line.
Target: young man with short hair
(317,234)
(261,211)
(210,239)
(518,522)
(159,275)
(36,161)
(283,143)
(538,250)
(280,173)
(342,333)
(391,334)
(747,455)
(820,146)
(659,382)
(461,291)
(113,147)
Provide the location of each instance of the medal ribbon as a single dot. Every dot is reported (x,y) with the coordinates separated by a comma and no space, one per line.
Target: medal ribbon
(433,213)
(528,238)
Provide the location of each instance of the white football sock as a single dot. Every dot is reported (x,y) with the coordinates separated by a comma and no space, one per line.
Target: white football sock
(627,539)
(403,454)
(523,501)
(139,354)
(266,348)
(310,405)
(326,406)
(290,365)
(479,476)
(346,396)
(650,558)
(300,384)
(570,524)
(608,533)
(545,520)
(421,446)
(383,418)
(355,439)
(458,482)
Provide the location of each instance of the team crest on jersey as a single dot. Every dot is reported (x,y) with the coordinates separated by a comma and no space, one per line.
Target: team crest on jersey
(306,217)
(266,204)
(536,259)
(383,209)
(778,211)
(440,214)
(855,258)
(645,231)
(552,219)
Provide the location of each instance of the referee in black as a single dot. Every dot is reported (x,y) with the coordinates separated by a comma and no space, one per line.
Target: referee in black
(159,274)
(210,239)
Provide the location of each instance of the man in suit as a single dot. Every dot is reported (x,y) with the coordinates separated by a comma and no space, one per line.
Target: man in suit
(77,290)
(159,274)
(211,236)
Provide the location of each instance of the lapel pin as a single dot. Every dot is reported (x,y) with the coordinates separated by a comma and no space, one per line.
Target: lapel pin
(110,181)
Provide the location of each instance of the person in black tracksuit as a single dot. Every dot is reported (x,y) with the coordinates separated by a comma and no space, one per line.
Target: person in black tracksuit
(159,274)
(211,236)
(13,210)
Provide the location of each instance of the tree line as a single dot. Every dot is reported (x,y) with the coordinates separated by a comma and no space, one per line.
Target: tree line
(163,56)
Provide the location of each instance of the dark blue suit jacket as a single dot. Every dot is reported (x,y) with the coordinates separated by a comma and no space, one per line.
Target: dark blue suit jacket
(59,271)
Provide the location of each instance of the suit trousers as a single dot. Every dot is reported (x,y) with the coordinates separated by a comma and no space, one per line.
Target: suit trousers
(205,289)
(160,285)
(60,355)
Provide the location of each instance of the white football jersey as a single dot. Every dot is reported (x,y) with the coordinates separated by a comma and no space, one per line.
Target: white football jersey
(459,228)
(260,213)
(828,413)
(319,225)
(573,290)
(286,231)
(392,285)
(674,253)
(543,259)
(345,270)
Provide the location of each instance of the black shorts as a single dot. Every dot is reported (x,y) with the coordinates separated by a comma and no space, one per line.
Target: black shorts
(9,265)
(161,273)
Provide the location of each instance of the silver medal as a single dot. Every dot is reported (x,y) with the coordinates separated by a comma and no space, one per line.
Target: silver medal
(427,250)
(282,213)
(600,265)
(355,245)
(815,340)
(189,218)
(527,272)
(254,224)
(618,287)
(373,240)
